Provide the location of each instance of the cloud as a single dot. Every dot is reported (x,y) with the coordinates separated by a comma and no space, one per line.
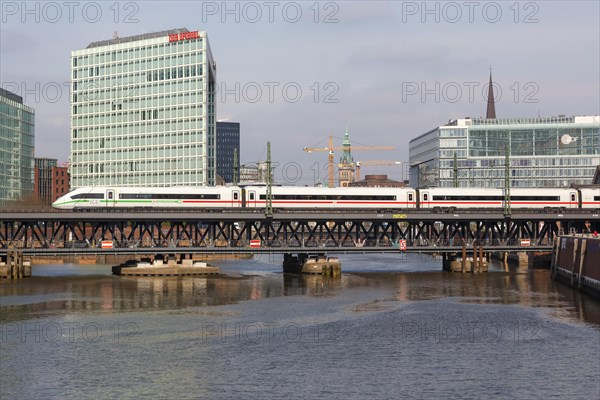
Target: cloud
(362,12)
(14,41)
(400,54)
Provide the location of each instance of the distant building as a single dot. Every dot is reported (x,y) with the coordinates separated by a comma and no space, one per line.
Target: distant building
(543,152)
(250,174)
(43,178)
(143,111)
(346,167)
(254,173)
(596,178)
(60,182)
(376,181)
(17,138)
(228,139)
(51,180)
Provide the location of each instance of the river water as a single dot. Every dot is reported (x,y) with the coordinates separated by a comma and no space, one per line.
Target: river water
(389,328)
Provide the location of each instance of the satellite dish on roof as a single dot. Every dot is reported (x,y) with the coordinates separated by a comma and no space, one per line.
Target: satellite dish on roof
(567,139)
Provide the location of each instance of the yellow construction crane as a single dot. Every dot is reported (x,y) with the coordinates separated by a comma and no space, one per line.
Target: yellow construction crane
(331,148)
(370,163)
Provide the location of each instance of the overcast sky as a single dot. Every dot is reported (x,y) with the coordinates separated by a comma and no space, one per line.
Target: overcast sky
(297,72)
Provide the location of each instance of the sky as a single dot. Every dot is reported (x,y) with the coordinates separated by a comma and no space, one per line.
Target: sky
(293,73)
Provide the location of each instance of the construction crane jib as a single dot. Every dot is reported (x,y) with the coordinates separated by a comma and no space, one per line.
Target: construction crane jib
(331,149)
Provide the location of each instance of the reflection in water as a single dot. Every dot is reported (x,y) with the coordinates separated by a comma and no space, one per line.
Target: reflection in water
(313,285)
(44,296)
(48,296)
(54,295)
(585,307)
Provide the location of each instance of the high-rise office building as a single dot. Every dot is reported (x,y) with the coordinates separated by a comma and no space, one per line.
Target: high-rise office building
(43,178)
(17,137)
(542,152)
(228,140)
(143,111)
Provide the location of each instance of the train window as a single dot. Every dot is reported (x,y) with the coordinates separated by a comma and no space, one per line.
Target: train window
(324,197)
(572,196)
(410,197)
(235,195)
(110,195)
(252,196)
(425,196)
(536,198)
(88,196)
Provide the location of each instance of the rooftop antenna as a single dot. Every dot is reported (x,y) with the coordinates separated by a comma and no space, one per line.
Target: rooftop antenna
(115,35)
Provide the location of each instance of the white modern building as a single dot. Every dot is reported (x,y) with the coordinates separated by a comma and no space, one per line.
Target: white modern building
(143,111)
(543,152)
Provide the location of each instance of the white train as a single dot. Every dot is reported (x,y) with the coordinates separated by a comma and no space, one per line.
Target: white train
(236,197)
(150,197)
(87,198)
(307,198)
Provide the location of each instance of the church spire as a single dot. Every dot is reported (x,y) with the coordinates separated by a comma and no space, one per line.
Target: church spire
(346,157)
(491,105)
(346,167)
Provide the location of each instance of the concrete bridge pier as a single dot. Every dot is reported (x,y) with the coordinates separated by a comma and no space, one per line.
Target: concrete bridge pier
(319,264)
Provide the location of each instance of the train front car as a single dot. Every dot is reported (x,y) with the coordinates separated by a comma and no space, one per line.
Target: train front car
(64,202)
(138,198)
(84,197)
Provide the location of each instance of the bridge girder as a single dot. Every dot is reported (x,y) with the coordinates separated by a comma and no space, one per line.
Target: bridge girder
(283,230)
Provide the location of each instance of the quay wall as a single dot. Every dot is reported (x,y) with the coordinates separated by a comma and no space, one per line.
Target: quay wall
(576,262)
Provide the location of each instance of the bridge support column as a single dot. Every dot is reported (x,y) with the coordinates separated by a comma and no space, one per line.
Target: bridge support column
(446,262)
(305,263)
(465,261)
(15,267)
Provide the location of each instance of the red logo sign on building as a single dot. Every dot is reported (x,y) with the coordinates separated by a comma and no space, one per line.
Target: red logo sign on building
(184,36)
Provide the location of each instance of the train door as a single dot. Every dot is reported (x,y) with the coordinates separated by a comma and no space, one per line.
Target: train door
(251,199)
(110,198)
(235,199)
(573,200)
(425,199)
(410,200)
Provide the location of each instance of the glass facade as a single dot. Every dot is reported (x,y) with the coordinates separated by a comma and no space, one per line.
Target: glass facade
(17,137)
(43,177)
(143,111)
(543,152)
(228,139)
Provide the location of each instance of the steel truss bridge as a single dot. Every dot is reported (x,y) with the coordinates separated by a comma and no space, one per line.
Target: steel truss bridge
(285,232)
